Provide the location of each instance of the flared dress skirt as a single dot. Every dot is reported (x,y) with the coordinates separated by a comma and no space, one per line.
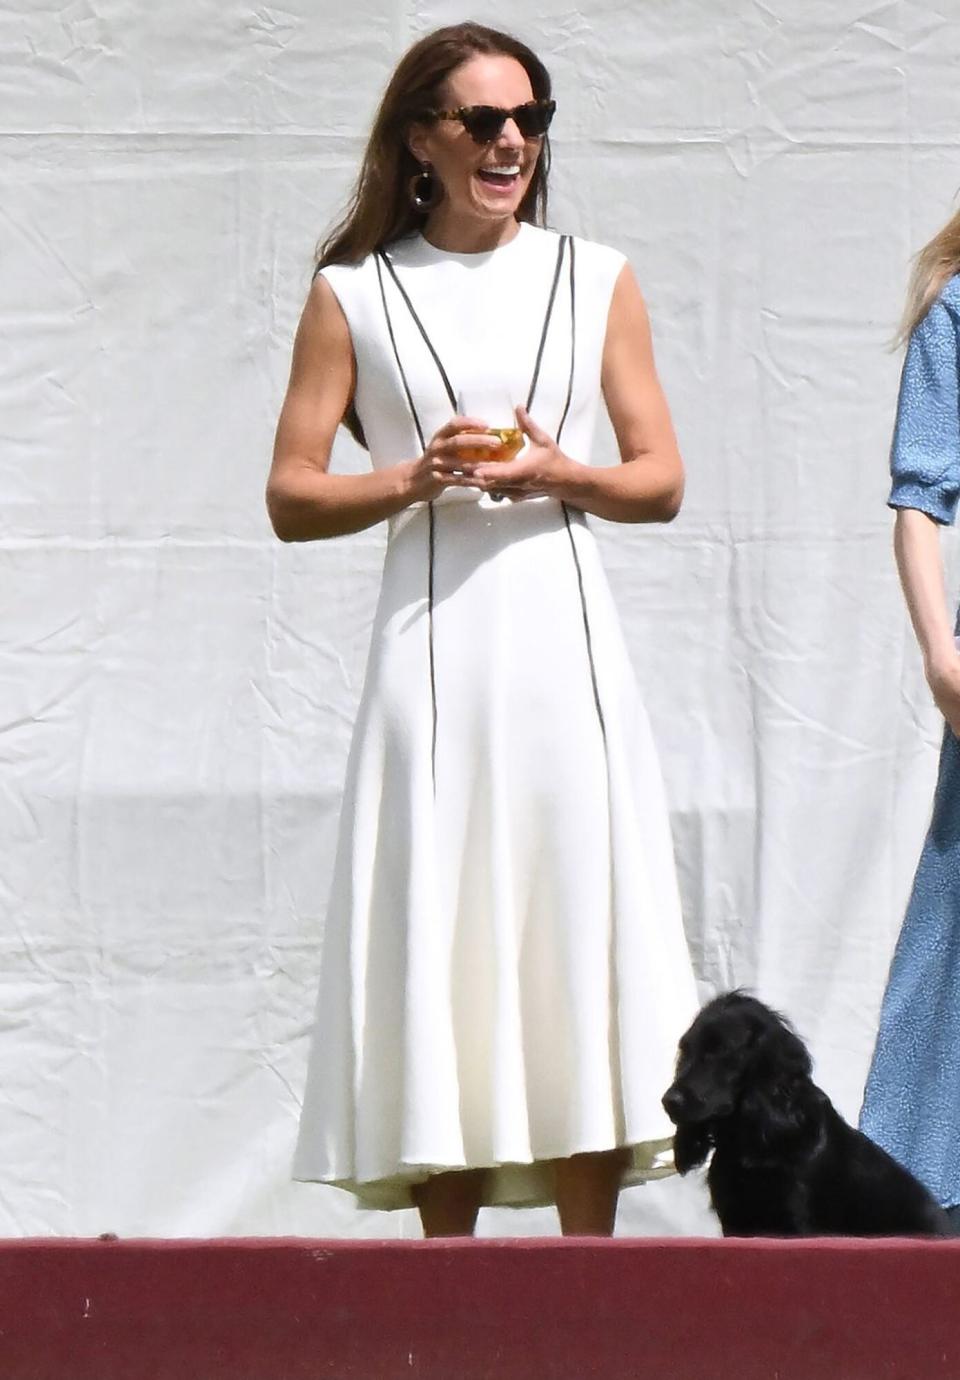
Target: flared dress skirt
(912,1099)
(504,973)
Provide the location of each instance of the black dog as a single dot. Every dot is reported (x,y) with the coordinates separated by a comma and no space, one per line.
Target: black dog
(785,1163)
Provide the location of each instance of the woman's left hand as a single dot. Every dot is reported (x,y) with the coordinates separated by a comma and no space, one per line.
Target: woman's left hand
(538,471)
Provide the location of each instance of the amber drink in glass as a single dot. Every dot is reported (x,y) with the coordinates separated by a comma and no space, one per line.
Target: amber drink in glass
(495,407)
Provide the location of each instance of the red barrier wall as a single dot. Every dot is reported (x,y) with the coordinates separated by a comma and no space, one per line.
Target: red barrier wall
(513,1310)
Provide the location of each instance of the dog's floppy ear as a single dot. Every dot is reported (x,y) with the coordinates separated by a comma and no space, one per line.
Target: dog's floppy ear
(778,1097)
(780,1059)
(782,1052)
(691,1145)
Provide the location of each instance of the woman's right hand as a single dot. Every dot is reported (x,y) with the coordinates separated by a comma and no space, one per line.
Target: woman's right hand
(944,681)
(441,466)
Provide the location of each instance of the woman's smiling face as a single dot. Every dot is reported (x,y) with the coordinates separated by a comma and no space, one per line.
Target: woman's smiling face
(481,182)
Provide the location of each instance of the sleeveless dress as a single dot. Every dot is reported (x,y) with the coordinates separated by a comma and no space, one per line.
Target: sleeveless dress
(912,1099)
(504,974)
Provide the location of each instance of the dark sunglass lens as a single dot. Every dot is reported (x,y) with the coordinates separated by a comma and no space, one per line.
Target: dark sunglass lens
(483,122)
(533,120)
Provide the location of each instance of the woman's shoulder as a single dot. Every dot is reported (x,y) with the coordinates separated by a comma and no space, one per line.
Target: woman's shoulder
(949,297)
(355,288)
(934,341)
(353,284)
(943,312)
(596,264)
(584,247)
(345,273)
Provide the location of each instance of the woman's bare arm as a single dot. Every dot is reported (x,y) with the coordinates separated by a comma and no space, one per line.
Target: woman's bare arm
(648,485)
(920,564)
(305,501)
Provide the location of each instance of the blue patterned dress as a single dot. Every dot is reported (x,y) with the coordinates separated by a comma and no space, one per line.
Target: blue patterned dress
(912,1100)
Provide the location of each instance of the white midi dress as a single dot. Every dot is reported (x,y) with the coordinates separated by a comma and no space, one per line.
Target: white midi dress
(504,973)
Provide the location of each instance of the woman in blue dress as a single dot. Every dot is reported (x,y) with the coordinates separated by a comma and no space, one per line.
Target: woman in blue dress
(912,1100)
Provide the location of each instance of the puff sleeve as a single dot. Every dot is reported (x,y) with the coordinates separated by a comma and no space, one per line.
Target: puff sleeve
(925,456)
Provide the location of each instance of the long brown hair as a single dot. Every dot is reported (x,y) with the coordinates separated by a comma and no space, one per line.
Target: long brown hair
(934,265)
(379,209)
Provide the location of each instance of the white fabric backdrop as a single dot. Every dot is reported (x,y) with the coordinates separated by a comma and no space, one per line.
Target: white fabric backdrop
(177,689)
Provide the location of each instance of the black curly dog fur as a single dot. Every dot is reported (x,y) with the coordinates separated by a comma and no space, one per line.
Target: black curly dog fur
(784,1162)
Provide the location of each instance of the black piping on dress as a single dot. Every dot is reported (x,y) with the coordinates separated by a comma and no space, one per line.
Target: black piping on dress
(381,257)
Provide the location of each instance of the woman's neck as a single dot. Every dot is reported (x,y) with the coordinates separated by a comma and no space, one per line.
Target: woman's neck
(458,236)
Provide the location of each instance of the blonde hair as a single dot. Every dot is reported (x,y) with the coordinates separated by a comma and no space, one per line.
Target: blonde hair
(934,265)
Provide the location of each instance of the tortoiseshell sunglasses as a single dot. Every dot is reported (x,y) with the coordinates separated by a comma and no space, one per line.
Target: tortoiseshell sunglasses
(484,122)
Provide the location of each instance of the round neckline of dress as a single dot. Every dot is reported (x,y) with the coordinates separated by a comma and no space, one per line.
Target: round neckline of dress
(476,255)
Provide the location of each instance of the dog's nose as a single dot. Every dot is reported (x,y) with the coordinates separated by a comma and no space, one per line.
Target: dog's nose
(673,1103)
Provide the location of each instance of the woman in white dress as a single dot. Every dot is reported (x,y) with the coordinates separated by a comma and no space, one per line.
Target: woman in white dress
(504,973)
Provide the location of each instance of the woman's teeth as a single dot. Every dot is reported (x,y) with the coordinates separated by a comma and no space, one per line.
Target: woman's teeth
(500,176)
